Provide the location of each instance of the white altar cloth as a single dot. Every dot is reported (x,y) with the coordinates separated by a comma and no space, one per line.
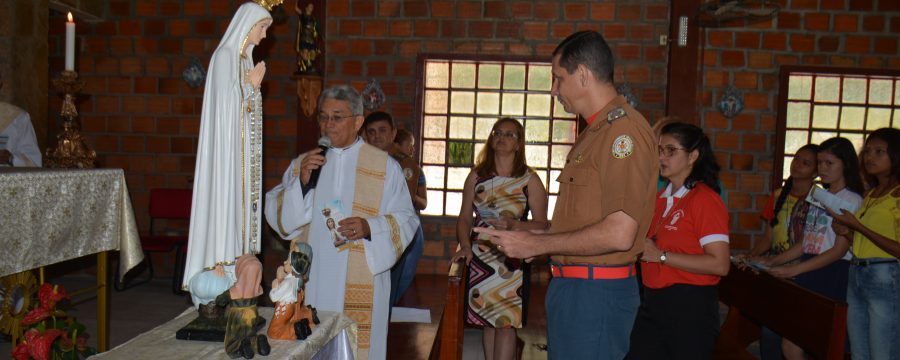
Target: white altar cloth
(160,343)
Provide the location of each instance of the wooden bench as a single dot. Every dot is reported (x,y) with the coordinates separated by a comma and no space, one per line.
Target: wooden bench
(448,344)
(814,322)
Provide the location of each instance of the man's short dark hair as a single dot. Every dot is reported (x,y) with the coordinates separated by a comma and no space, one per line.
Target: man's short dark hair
(587,48)
(379,116)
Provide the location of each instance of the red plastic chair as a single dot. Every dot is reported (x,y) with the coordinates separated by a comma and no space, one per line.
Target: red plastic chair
(164,204)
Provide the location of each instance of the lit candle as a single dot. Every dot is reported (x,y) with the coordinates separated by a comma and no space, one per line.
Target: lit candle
(70,44)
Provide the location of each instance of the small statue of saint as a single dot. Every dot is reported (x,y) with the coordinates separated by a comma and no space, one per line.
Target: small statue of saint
(307,34)
(292,320)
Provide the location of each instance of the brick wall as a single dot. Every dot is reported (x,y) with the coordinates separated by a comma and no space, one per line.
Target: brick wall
(844,33)
(23,50)
(138,113)
(368,39)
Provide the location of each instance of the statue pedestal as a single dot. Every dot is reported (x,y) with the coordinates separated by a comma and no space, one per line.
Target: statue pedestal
(210,328)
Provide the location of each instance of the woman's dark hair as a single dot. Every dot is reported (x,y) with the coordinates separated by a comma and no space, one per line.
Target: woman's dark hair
(691,137)
(843,149)
(789,184)
(485,166)
(403,135)
(890,136)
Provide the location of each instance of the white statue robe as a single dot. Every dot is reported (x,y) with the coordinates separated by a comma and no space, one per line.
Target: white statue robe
(226,212)
(18,133)
(327,277)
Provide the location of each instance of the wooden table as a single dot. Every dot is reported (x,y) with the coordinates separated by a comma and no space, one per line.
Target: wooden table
(49,216)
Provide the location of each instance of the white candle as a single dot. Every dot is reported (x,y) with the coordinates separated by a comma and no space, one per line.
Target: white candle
(70,44)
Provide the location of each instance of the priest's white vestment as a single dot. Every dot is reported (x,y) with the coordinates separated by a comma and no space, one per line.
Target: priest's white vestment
(18,136)
(288,210)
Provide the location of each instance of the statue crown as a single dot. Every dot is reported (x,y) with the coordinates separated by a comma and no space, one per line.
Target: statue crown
(268,4)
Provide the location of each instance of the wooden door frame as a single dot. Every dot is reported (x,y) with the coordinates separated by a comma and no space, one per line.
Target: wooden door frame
(685,66)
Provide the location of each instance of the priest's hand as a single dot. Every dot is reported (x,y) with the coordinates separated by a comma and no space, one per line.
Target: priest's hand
(354,228)
(256,75)
(312,160)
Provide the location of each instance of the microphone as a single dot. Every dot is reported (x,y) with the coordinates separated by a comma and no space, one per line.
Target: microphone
(324,144)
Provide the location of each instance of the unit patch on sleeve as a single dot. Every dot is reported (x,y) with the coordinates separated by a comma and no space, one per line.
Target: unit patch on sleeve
(622,147)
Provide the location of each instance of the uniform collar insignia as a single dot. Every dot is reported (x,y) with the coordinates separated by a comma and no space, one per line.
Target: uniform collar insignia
(615,114)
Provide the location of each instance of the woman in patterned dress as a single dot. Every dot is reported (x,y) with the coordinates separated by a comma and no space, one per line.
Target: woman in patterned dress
(499,192)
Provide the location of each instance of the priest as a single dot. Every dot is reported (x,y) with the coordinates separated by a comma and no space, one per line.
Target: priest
(363,190)
(18,145)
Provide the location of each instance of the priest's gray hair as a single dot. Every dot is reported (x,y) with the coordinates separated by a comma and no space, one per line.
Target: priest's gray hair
(343,93)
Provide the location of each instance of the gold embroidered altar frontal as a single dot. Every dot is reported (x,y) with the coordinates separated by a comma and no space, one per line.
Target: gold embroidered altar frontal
(52,215)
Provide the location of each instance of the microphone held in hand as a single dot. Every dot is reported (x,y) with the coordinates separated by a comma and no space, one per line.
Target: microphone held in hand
(324,144)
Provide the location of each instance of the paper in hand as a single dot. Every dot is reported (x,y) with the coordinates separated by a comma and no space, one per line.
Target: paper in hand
(824,199)
(488,215)
(332,214)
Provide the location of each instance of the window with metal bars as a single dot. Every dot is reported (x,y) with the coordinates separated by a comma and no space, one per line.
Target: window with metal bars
(818,103)
(461,98)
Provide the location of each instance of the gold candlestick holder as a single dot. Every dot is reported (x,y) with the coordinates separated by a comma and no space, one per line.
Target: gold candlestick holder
(71,151)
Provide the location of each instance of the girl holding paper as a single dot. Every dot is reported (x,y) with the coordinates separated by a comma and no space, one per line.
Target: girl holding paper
(824,257)
(499,192)
(873,294)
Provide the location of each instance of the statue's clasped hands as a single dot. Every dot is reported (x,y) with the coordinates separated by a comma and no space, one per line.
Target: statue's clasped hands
(257,74)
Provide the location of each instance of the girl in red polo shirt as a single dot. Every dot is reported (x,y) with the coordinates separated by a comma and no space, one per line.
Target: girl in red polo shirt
(685,253)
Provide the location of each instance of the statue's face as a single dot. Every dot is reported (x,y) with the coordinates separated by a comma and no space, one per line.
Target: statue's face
(258,32)
(300,263)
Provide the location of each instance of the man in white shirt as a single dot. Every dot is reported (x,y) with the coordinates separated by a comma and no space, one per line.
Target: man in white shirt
(364,190)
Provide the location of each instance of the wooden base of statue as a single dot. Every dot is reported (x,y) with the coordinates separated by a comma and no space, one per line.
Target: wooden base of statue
(210,325)
(287,316)
(309,86)
(71,151)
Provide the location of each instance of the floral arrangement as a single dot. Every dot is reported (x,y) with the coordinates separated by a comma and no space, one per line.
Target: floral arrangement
(50,333)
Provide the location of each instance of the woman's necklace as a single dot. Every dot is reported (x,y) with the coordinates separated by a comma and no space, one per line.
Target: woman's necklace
(873,200)
(493,197)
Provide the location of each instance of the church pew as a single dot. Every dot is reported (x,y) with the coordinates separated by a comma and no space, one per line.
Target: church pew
(812,321)
(448,344)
